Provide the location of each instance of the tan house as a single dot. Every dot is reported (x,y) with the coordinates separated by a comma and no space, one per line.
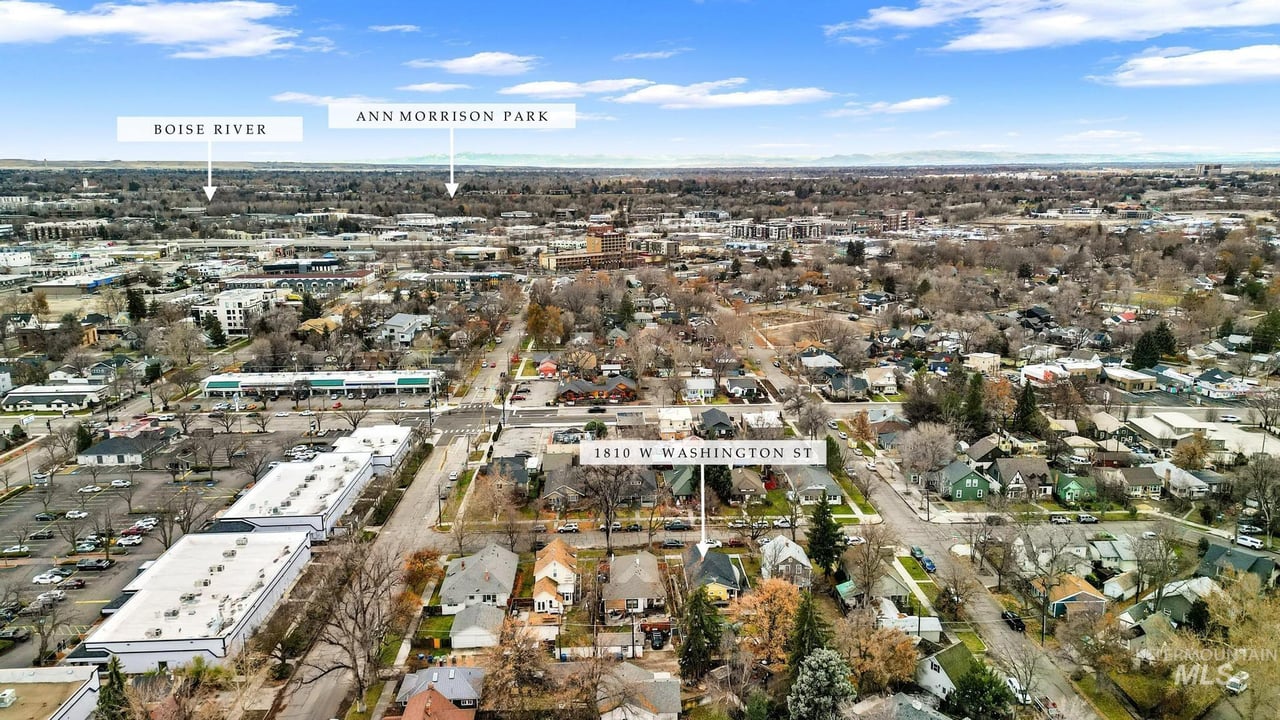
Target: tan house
(555,577)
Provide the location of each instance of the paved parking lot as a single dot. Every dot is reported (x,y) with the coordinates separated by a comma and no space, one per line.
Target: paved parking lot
(539,393)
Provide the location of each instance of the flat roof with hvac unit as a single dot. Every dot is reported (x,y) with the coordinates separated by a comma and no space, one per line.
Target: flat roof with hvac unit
(377,381)
(51,693)
(388,443)
(307,496)
(202,598)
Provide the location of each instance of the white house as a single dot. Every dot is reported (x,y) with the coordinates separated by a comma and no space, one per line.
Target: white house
(938,673)
(675,423)
(485,578)
(784,559)
(697,389)
(555,576)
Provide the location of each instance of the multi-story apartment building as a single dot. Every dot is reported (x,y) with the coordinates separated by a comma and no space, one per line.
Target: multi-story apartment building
(236,309)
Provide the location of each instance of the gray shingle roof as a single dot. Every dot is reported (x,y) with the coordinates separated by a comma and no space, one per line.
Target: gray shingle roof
(492,571)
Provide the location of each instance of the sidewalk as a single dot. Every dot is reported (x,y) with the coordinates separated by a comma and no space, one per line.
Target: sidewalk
(936,514)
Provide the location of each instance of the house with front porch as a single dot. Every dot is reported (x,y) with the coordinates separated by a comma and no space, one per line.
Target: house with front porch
(1069,595)
(881,380)
(555,572)
(714,571)
(675,423)
(699,389)
(1023,477)
(1178,482)
(1072,489)
(958,481)
(811,484)
(635,585)
(1135,482)
(715,423)
(748,487)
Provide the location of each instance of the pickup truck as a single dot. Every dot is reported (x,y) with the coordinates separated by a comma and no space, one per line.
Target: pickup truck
(1049,708)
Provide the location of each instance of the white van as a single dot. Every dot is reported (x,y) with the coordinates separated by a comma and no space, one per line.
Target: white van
(1249,542)
(1021,696)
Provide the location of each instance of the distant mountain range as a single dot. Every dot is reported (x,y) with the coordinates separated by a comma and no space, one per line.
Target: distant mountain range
(920,158)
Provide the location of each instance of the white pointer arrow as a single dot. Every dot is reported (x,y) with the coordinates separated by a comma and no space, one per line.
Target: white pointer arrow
(451,186)
(209,188)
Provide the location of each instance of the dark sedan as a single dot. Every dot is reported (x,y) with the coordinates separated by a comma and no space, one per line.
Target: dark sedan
(1015,622)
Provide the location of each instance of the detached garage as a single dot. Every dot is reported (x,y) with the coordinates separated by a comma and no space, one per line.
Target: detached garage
(477,626)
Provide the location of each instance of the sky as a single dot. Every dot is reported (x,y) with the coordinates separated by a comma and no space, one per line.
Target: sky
(663,82)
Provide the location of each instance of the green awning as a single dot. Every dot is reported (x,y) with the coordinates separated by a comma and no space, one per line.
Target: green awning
(328,383)
(223,384)
(413,381)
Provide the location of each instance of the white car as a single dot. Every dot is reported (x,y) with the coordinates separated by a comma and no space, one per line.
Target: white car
(121,483)
(843,435)
(89,489)
(148,522)
(783,523)
(47,579)
(453,476)
(852,540)
(86,547)
(16,549)
(166,418)
(1148,535)
(129,541)
(871,464)
(76,515)
(282,413)
(51,596)
(1230,418)
(307,413)
(713,543)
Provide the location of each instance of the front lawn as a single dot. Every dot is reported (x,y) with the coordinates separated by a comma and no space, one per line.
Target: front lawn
(972,641)
(866,507)
(1106,703)
(370,700)
(913,569)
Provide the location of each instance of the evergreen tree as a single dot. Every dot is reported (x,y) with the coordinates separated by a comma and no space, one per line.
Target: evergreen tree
(1024,271)
(1145,352)
(213,326)
(890,284)
(154,373)
(833,455)
(923,288)
(113,704)
(701,636)
(626,310)
(809,633)
(720,480)
(311,308)
(979,693)
(974,412)
(856,253)
(821,687)
(1266,332)
(757,707)
(135,304)
(825,537)
(84,438)
(1025,414)
(785,260)
(1165,342)
(735,267)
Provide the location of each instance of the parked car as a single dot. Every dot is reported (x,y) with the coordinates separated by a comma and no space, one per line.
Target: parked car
(738,524)
(62,572)
(16,550)
(40,476)
(307,413)
(843,435)
(832,424)
(632,527)
(1021,696)
(86,547)
(614,526)
(569,527)
(87,489)
(121,483)
(282,413)
(714,543)
(41,535)
(1015,623)
(1229,418)
(927,564)
(76,514)
(129,541)
(783,523)
(519,397)
(916,552)
(1237,683)
(94,564)
(16,634)
(1059,519)
(72,584)
(1248,529)
(1149,535)
(852,540)
(596,409)
(453,476)
(735,542)
(1086,519)
(673,543)
(47,579)
(51,596)
(45,517)
(677,526)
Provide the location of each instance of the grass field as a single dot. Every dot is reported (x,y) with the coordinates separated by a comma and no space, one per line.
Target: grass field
(913,569)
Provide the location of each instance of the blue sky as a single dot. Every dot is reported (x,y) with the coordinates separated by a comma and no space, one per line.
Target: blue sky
(658,81)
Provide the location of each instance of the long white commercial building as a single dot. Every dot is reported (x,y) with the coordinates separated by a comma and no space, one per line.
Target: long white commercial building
(388,443)
(349,382)
(203,597)
(309,497)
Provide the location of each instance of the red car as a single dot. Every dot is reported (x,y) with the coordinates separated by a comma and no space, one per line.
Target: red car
(337,406)
(135,530)
(519,397)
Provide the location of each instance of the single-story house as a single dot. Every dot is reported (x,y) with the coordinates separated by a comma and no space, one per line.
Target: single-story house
(461,687)
(782,558)
(1071,489)
(1180,483)
(561,487)
(742,387)
(747,486)
(477,626)
(1072,594)
(1220,561)
(1121,587)
(485,578)
(1137,482)
(812,483)
(1175,600)
(635,585)
(889,585)
(548,367)
(847,386)
(697,389)
(124,450)
(633,693)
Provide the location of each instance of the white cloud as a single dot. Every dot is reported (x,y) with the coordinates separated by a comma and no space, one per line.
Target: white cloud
(560,89)
(434,87)
(230,28)
(482,63)
(920,104)
(593,117)
(654,55)
(1209,67)
(1103,137)
(309,99)
(394,28)
(1021,24)
(704,95)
